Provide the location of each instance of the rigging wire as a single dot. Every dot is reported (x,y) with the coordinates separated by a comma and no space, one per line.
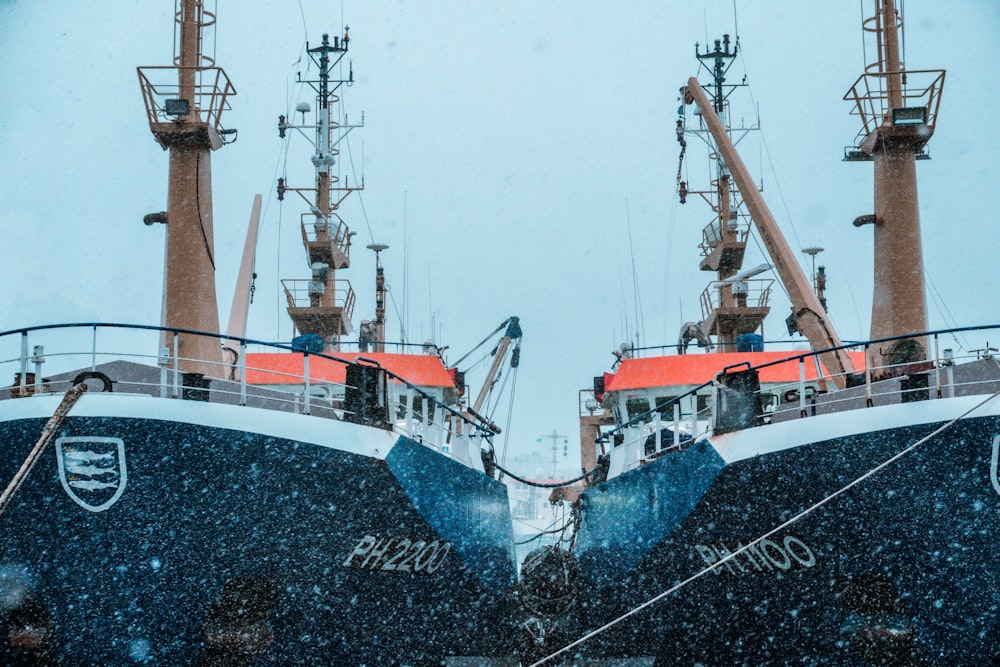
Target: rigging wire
(548,530)
(942,307)
(714,566)
(770,161)
(640,325)
(850,293)
(361,200)
(510,415)
(305,26)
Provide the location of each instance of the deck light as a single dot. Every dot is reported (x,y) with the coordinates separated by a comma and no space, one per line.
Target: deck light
(177,107)
(909,116)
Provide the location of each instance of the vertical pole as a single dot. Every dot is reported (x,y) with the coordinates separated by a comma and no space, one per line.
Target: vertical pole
(177,367)
(38,369)
(22,381)
(802,386)
(937,365)
(163,362)
(658,438)
(93,349)
(677,424)
(243,373)
(305,371)
(868,377)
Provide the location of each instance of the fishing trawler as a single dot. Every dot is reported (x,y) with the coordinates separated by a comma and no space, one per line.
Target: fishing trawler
(834,506)
(179,495)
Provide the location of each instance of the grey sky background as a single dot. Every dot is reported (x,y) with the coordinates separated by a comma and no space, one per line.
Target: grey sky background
(519,141)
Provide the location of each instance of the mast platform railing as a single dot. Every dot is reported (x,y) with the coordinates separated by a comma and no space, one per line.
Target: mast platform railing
(870,96)
(748,293)
(211,93)
(305,293)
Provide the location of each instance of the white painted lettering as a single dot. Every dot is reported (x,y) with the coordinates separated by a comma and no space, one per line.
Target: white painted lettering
(769,548)
(749,556)
(808,559)
(361,548)
(724,552)
(755,550)
(707,554)
(785,553)
(436,561)
(377,552)
(397,554)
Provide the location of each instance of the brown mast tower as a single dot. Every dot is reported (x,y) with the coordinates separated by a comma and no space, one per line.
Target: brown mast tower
(898,110)
(184,105)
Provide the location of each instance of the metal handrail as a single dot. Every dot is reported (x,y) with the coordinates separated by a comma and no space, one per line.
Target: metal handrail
(471,428)
(793,357)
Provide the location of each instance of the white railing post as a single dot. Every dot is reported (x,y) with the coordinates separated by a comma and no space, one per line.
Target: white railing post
(677,424)
(802,386)
(949,360)
(243,372)
(658,439)
(38,356)
(22,381)
(177,369)
(868,379)
(305,371)
(163,361)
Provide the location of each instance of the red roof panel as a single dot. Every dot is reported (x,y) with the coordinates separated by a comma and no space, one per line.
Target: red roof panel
(696,369)
(286,368)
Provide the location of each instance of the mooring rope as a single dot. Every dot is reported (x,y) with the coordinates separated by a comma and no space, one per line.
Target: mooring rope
(55,421)
(794,519)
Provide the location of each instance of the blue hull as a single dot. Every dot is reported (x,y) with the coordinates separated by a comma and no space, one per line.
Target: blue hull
(229,547)
(899,570)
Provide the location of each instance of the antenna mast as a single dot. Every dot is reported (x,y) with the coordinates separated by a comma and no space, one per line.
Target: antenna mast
(323,304)
(730,308)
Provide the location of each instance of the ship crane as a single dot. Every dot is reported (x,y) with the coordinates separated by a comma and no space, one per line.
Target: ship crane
(511,337)
(809,316)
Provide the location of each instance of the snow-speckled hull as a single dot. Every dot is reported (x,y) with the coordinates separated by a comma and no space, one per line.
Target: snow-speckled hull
(900,569)
(229,546)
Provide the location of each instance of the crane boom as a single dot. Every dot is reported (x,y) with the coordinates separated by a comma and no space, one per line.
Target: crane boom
(810,316)
(512,333)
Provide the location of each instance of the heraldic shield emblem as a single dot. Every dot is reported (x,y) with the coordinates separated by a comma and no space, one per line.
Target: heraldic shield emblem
(92,470)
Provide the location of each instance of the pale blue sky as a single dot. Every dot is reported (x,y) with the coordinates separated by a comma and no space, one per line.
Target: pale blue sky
(514,132)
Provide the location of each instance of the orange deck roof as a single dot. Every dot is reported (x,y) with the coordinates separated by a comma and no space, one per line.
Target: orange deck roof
(286,368)
(696,369)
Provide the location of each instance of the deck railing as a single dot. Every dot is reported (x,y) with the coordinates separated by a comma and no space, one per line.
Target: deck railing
(672,424)
(139,359)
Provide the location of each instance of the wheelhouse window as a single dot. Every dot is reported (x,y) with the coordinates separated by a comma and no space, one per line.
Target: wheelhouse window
(665,406)
(636,407)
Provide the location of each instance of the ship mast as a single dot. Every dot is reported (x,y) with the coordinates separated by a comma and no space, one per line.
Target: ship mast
(323,304)
(808,315)
(898,109)
(184,105)
(735,303)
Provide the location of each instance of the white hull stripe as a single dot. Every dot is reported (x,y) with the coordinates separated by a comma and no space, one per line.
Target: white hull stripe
(344,436)
(772,438)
